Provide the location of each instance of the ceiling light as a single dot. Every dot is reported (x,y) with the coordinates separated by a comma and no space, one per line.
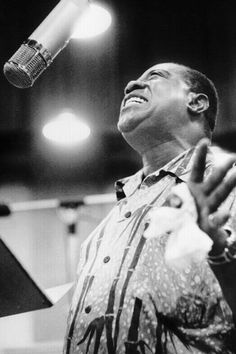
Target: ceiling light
(66,129)
(95,20)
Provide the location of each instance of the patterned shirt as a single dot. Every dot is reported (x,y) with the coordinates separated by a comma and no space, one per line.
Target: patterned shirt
(127,300)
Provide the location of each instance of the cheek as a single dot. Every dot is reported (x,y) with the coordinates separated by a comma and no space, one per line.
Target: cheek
(172,105)
(168,114)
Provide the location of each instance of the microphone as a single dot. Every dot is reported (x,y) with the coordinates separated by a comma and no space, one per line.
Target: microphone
(44,44)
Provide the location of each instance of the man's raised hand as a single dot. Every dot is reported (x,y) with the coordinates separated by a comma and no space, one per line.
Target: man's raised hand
(210,194)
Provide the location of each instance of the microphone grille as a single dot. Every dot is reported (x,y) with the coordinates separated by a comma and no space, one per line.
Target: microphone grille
(25,66)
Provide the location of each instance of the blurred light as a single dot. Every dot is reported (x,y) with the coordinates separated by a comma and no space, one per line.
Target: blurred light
(66,129)
(96,20)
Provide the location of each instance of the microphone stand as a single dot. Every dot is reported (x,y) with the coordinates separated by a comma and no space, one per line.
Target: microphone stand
(68,212)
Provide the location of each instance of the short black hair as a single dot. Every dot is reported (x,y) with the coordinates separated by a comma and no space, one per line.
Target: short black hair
(200,83)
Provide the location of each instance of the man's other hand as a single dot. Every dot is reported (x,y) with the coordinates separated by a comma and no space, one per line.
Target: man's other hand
(210,194)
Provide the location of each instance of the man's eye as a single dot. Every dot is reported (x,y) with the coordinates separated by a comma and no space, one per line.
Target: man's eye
(156,73)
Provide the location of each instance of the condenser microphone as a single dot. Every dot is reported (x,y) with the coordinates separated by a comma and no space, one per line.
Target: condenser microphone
(43,45)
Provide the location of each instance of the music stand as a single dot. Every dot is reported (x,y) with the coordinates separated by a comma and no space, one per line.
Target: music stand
(19,292)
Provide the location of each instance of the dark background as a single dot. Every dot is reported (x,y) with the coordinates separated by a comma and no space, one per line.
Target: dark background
(89,76)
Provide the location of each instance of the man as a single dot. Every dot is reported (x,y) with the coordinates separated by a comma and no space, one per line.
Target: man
(127,298)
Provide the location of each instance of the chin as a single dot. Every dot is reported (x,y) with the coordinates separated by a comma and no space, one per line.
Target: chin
(128,123)
(124,127)
(124,124)
(127,127)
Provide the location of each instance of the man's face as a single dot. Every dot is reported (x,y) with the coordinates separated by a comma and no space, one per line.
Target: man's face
(157,99)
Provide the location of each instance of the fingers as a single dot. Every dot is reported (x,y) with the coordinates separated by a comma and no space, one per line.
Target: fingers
(199,163)
(222,192)
(219,218)
(217,176)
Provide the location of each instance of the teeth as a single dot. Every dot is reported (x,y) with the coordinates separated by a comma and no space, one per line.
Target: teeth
(135,99)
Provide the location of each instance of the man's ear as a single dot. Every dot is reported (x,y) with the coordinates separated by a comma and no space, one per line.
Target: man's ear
(197,102)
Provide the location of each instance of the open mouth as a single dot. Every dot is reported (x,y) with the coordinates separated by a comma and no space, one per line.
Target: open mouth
(134,100)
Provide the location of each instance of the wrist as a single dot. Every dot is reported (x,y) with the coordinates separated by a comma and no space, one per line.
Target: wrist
(220,242)
(227,254)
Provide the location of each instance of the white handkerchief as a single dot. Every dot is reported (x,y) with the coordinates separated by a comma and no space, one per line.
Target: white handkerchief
(187,243)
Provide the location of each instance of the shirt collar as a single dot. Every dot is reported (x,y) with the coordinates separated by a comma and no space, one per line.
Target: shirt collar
(180,167)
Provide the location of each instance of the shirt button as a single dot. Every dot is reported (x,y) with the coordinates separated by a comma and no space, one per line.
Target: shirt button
(106,259)
(128,214)
(88,309)
(181,170)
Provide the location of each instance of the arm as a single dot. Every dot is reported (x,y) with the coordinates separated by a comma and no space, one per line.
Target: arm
(209,195)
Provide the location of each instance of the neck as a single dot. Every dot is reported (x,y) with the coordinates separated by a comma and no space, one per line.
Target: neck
(161,154)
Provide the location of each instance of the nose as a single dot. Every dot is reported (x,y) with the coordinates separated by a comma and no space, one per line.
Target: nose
(134,85)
